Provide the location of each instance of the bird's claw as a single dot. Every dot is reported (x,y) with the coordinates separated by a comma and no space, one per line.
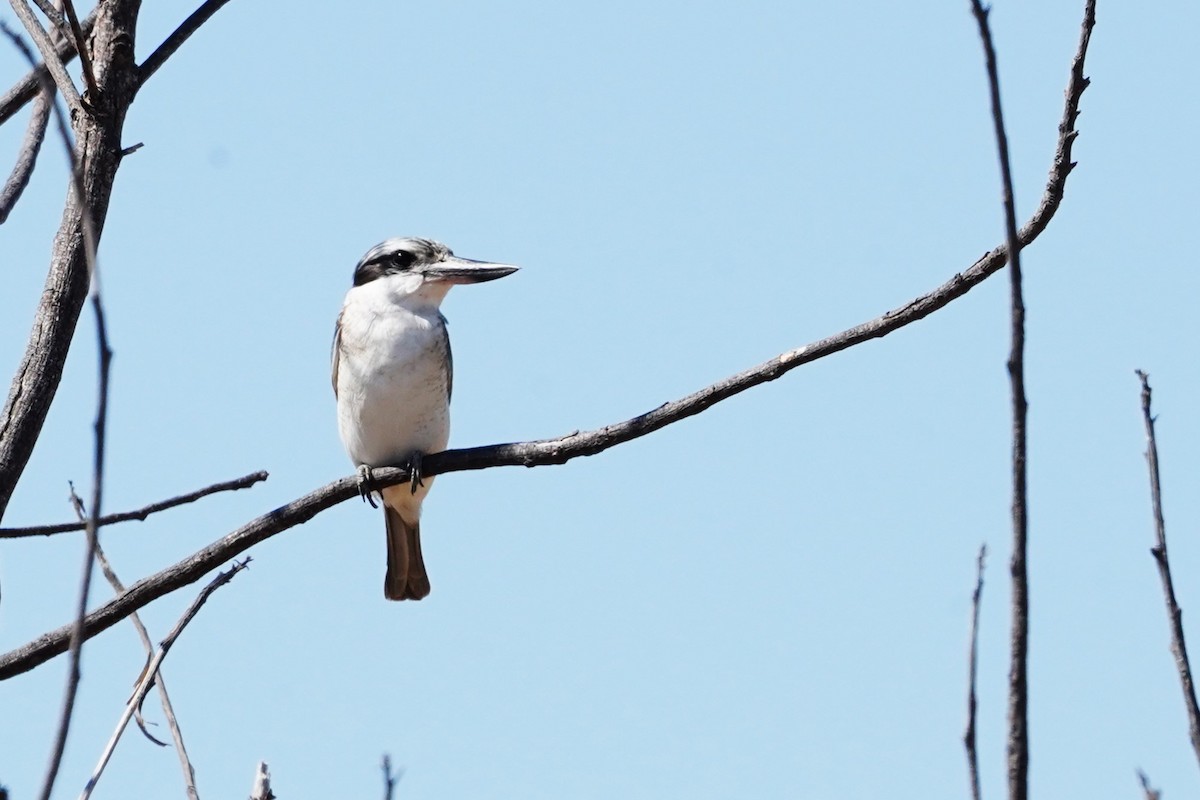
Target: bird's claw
(366,482)
(414,470)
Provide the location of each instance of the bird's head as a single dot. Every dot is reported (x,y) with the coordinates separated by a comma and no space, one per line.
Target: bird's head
(415,266)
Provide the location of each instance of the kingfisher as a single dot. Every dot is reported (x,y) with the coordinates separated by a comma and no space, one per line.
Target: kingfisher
(393,374)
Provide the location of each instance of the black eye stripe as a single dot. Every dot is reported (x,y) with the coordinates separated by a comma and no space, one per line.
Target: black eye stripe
(397,256)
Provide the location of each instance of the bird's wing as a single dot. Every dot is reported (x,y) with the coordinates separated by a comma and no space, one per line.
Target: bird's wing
(449,358)
(337,347)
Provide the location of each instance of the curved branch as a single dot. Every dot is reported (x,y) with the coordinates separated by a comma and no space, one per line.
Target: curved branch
(244,482)
(563,449)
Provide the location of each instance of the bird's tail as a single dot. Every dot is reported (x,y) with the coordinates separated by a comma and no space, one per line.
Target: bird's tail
(406,577)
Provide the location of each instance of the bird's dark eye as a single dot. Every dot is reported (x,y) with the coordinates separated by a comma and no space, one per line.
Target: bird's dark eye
(401,259)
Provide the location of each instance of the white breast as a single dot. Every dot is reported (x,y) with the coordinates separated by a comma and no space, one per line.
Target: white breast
(392,378)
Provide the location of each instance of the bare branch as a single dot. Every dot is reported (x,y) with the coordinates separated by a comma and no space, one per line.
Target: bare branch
(574,445)
(81,47)
(180,35)
(244,482)
(93,544)
(189,772)
(1151,792)
(27,88)
(1018,678)
(151,671)
(389,778)
(1159,551)
(58,69)
(972,671)
(35,134)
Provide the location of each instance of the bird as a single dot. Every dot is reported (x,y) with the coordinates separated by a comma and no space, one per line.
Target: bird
(393,375)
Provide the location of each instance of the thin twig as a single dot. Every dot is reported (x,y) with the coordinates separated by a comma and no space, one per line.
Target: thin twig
(1018,679)
(77,633)
(81,47)
(93,543)
(50,57)
(35,134)
(1151,792)
(151,671)
(563,449)
(389,777)
(189,772)
(244,482)
(27,88)
(85,582)
(177,38)
(1159,551)
(105,359)
(972,671)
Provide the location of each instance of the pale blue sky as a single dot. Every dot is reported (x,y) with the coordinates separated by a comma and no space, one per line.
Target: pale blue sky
(768,600)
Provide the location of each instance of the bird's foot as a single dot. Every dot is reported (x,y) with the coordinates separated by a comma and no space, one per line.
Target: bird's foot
(366,484)
(414,469)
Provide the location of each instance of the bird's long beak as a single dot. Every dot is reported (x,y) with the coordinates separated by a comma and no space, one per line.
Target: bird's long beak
(453,269)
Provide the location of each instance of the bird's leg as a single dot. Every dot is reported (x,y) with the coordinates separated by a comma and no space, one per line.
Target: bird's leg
(414,469)
(365,483)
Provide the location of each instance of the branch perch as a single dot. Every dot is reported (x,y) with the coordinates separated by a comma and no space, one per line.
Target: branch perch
(574,445)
